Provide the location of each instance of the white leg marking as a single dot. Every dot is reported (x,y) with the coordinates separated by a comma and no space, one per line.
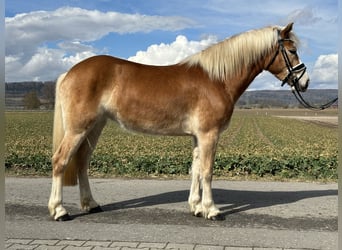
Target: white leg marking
(209,208)
(55,203)
(207,149)
(194,197)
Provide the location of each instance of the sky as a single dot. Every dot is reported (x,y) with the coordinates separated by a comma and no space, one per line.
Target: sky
(46,38)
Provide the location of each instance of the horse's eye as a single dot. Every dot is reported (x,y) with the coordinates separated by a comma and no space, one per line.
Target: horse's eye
(293,51)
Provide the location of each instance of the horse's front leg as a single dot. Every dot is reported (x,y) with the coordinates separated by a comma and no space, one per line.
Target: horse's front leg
(194,197)
(207,150)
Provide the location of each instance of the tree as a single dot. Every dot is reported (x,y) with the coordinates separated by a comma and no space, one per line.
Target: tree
(31,100)
(49,94)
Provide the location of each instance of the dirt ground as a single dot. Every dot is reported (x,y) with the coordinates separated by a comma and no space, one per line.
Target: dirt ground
(326,118)
(326,121)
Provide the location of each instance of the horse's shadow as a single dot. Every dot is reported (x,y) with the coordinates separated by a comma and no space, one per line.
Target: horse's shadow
(229,201)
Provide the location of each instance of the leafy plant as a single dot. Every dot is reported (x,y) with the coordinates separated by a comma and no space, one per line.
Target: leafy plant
(254,145)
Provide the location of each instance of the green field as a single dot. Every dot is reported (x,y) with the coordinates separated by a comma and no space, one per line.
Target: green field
(256,144)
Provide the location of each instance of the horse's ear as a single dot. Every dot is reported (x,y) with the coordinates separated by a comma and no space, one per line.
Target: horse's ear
(284,33)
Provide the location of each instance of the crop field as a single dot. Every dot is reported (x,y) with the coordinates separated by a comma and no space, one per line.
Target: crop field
(257,144)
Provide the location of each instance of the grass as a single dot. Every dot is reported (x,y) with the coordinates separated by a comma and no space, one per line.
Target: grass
(256,145)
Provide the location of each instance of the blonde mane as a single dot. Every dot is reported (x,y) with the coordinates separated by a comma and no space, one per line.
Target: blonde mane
(227,58)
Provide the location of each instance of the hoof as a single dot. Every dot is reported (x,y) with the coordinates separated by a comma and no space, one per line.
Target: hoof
(197,214)
(219,217)
(65,217)
(95,210)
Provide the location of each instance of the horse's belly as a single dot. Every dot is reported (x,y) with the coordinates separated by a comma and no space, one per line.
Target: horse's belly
(157,124)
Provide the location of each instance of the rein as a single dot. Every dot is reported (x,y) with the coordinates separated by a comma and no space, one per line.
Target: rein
(295,80)
(307,105)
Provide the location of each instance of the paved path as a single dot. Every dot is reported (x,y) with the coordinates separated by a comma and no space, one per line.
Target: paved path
(153,214)
(118,245)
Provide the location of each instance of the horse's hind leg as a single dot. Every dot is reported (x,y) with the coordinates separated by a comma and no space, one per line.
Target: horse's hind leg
(67,148)
(83,158)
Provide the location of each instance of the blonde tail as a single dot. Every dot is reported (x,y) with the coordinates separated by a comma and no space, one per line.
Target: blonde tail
(70,173)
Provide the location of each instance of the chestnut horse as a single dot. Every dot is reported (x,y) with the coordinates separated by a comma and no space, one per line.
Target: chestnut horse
(195,98)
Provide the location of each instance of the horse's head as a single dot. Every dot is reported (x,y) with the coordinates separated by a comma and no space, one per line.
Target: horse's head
(285,64)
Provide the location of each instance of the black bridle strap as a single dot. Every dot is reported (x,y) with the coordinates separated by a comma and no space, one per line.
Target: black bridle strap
(273,59)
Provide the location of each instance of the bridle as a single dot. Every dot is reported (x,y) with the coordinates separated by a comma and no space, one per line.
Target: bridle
(292,79)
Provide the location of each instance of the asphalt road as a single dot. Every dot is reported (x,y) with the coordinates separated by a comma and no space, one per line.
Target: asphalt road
(282,215)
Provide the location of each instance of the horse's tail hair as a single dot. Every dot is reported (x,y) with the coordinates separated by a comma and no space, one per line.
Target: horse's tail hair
(70,173)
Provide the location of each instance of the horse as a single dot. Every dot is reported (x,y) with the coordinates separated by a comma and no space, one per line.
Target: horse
(194,97)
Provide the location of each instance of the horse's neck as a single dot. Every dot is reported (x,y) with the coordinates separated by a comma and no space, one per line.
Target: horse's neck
(236,85)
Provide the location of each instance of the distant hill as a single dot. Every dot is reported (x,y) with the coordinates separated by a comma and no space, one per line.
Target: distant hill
(284,98)
(15,92)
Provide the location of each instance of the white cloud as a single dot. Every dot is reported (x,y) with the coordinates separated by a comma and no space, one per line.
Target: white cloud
(28,35)
(325,71)
(75,46)
(165,54)
(305,16)
(69,23)
(45,64)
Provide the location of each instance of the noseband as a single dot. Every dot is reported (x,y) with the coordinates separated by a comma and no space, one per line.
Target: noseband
(293,78)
